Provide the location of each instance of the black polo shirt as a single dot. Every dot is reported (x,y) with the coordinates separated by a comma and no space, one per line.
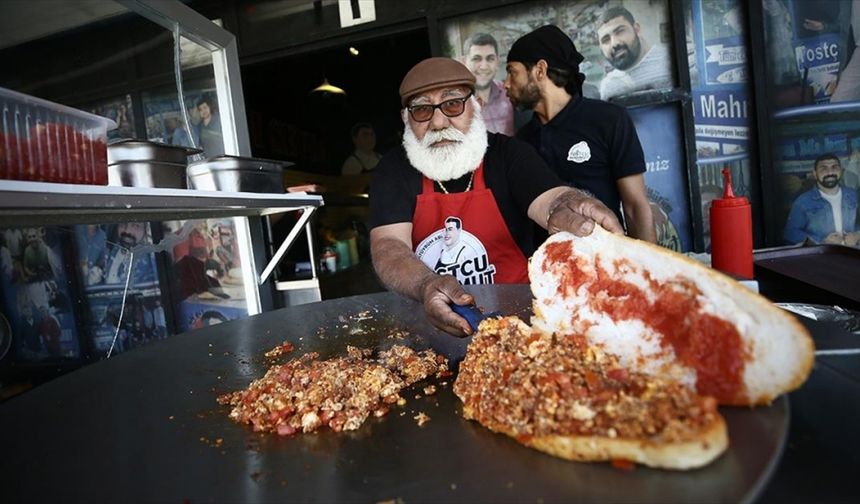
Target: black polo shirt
(590,144)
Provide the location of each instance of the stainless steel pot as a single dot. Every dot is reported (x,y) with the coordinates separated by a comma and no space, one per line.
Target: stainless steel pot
(144,150)
(147,174)
(237,174)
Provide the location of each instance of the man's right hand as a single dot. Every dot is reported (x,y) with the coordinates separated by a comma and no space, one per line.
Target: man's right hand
(577,212)
(400,270)
(437,294)
(834,238)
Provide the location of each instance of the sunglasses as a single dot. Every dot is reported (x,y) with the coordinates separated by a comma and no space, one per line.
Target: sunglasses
(451,108)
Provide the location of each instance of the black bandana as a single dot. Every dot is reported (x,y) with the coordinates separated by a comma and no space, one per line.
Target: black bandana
(547,43)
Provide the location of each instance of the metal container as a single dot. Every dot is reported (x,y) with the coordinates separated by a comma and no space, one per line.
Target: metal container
(144,150)
(148,174)
(237,174)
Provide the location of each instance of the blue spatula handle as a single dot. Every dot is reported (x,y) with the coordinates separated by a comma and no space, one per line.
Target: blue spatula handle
(472,314)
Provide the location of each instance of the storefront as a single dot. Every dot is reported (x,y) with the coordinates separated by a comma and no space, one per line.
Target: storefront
(763,89)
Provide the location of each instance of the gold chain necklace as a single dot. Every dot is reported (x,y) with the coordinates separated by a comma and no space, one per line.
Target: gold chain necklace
(471,178)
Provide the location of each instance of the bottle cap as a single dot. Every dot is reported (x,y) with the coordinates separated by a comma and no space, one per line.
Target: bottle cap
(729,199)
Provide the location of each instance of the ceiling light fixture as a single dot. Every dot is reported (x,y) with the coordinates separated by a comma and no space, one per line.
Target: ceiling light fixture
(353,51)
(325,87)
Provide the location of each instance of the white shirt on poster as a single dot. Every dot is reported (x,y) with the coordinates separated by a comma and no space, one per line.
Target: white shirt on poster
(835,201)
(654,71)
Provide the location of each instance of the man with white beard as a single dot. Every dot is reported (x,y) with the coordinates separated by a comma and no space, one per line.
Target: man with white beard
(450,169)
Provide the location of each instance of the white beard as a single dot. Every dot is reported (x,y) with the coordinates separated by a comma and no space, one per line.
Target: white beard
(451,161)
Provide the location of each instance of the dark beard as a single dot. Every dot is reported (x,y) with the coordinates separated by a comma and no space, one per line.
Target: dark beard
(629,58)
(127,241)
(529,98)
(829,182)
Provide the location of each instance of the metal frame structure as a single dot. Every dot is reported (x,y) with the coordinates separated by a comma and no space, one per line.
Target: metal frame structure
(178,17)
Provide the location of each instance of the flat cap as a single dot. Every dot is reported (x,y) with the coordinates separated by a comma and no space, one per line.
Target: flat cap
(434,73)
(547,43)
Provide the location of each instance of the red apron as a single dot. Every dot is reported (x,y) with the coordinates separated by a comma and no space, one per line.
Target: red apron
(465,235)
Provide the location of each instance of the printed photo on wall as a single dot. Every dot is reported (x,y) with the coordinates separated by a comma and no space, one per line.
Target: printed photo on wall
(206,268)
(165,122)
(626,45)
(109,255)
(811,49)
(819,175)
(719,77)
(37,294)
(659,130)
(120,110)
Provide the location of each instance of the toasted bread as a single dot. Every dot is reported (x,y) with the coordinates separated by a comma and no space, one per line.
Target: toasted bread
(666,315)
(554,393)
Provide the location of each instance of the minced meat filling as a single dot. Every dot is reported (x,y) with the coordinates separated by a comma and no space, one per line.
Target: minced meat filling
(341,393)
(534,384)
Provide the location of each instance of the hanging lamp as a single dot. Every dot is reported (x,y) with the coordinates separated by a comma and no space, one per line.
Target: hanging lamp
(325,87)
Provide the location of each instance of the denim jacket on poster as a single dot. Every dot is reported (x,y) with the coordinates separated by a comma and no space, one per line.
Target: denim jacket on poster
(811,216)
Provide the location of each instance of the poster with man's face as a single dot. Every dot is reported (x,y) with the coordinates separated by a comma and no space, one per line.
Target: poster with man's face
(626,43)
(37,297)
(120,110)
(627,50)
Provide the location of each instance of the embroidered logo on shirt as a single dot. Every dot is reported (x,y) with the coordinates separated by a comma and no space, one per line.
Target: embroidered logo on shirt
(579,152)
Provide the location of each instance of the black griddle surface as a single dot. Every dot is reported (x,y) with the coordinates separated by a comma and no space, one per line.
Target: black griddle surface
(144,426)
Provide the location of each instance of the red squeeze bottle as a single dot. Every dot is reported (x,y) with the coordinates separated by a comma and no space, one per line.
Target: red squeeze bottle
(731,232)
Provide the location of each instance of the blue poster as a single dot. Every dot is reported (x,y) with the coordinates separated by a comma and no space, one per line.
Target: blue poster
(659,130)
(196,315)
(721,120)
(119,319)
(720,94)
(37,294)
(123,326)
(817,61)
(795,148)
(725,60)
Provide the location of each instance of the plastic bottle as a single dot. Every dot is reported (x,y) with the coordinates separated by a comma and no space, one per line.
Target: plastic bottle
(731,232)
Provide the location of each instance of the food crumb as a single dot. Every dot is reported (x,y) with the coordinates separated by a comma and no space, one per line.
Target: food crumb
(421,418)
(401,402)
(282,349)
(417,396)
(453,486)
(430,390)
(170,417)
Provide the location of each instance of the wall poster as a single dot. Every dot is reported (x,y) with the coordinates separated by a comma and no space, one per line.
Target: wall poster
(37,295)
(165,122)
(639,60)
(209,285)
(108,256)
(814,68)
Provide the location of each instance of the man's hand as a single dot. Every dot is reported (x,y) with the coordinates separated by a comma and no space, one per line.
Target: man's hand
(401,271)
(813,25)
(437,293)
(834,238)
(577,212)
